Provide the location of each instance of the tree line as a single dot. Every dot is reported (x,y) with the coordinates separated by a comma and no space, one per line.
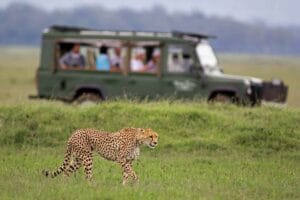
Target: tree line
(22,24)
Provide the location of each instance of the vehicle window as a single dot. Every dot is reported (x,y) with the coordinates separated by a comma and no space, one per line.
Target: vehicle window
(179,59)
(145,57)
(206,55)
(101,55)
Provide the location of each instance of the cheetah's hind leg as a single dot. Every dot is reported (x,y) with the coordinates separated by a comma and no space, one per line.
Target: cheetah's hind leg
(88,165)
(73,167)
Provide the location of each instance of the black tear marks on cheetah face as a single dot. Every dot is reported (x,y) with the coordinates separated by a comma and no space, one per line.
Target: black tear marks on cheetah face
(147,137)
(121,147)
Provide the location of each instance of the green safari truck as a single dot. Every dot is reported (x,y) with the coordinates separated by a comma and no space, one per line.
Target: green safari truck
(80,64)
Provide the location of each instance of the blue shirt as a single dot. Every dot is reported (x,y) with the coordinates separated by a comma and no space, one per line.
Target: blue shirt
(102,62)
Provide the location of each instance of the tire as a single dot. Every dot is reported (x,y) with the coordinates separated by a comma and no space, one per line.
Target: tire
(88,99)
(222,98)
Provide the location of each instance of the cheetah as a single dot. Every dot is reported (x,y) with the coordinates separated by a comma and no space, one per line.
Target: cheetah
(121,147)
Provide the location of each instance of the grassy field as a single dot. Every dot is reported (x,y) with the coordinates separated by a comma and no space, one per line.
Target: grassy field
(202,153)
(17,73)
(205,151)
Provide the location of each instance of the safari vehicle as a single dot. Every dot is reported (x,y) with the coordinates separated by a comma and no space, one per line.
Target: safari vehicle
(185,67)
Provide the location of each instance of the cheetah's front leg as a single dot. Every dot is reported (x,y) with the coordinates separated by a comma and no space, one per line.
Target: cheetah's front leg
(133,174)
(128,172)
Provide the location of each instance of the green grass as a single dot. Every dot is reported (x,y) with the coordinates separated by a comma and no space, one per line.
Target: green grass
(202,154)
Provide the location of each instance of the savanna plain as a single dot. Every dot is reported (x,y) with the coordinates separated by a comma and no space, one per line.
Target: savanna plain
(205,151)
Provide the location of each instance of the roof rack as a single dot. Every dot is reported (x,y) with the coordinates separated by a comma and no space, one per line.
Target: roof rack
(181,34)
(177,34)
(61,28)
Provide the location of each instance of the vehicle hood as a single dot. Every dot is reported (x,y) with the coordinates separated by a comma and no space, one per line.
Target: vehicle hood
(246,79)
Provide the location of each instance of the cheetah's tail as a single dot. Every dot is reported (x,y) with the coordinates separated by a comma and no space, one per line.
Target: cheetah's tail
(60,169)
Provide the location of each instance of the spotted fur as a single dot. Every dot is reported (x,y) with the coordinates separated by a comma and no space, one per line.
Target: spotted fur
(121,147)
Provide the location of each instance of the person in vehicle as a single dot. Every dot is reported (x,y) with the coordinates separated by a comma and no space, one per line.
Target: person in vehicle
(153,64)
(73,59)
(137,63)
(116,60)
(102,60)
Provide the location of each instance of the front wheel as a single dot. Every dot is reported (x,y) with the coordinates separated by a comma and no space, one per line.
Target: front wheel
(223,98)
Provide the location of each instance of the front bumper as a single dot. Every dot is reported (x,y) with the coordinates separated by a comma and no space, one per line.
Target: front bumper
(274,91)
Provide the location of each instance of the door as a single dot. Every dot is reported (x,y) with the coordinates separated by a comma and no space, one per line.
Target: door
(180,79)
(144,69)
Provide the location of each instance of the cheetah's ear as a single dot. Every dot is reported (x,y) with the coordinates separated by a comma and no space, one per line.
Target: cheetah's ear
(141,133)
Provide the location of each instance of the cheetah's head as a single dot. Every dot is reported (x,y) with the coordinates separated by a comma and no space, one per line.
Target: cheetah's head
(148,137)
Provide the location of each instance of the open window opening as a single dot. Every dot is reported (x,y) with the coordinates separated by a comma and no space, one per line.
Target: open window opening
(100,55)
(180,59)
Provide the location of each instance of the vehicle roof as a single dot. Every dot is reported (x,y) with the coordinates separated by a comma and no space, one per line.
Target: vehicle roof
(72,31)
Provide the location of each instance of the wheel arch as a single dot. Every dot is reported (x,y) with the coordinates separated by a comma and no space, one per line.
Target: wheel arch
(225,91)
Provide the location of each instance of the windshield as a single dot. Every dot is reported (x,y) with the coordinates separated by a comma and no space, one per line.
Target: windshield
(207,56)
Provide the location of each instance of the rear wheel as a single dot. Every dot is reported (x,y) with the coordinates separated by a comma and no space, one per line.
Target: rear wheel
(88,99)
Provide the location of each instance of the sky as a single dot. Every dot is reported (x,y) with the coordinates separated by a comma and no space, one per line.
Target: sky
(271,12)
